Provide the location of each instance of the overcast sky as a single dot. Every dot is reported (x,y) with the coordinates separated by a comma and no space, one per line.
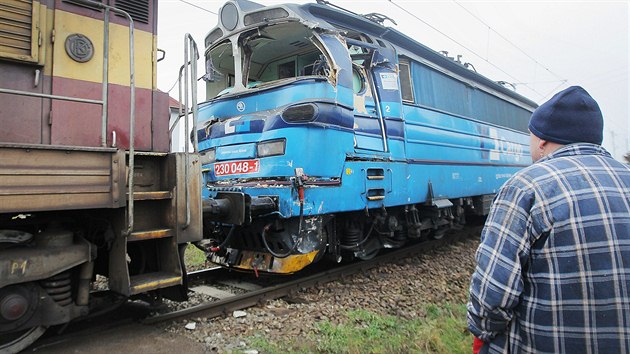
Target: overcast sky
(532,44)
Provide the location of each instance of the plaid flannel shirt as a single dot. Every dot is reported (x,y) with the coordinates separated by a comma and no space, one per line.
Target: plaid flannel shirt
(553,266)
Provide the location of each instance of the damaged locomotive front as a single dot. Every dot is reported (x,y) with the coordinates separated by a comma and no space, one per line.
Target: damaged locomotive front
(275,100)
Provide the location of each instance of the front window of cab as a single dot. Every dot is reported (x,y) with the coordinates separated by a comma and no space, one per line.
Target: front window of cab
(268,56)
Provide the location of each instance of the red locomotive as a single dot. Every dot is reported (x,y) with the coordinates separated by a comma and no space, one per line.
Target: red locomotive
(87,183)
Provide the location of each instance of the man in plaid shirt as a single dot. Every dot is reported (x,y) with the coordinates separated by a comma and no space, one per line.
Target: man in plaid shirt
(553,266)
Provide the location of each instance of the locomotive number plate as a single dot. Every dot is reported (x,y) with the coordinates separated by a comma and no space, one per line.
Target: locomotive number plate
(236,167)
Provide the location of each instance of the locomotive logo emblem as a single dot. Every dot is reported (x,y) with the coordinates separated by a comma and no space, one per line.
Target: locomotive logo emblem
(79,47)
(240,106)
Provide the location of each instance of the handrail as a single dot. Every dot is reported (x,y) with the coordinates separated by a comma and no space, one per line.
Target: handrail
(180,109)
(189,46)
(105,78)
(54,97)
(132,98)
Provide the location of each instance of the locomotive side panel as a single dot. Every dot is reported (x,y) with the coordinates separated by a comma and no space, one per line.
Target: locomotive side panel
(60,179)
(21,118)
(56,47)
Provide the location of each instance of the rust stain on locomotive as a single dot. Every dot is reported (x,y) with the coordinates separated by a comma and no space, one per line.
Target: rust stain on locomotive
(266,263)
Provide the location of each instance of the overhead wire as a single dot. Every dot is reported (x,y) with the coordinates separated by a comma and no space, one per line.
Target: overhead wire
(553,90)
(173,86)
(509,41)
(536,82)
(199,7)
(465,47)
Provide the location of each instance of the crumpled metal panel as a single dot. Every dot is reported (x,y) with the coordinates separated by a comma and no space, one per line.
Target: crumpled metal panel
(336,47)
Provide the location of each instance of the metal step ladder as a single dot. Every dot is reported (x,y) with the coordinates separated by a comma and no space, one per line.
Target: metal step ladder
(147,257)
(161,211)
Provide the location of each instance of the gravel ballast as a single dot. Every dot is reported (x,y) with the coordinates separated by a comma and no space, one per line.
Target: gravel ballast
(399,289)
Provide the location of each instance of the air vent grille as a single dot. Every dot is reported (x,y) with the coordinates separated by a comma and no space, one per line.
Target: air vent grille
(16,28)
(138,9)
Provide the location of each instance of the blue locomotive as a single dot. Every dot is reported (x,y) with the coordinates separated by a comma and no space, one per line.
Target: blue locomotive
(329,134)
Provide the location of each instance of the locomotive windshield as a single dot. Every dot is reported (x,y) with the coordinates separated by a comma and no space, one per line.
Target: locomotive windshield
(268,55)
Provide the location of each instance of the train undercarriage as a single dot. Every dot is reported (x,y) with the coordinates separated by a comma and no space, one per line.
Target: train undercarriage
(64,219)
(284,246)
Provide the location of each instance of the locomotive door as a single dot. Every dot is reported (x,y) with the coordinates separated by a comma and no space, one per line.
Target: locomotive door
(377,101)
(369,128)
(21,31)
(386,88)
(78,72)
(80,58)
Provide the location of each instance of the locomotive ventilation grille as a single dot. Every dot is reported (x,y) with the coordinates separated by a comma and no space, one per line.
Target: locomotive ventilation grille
(138,9)
(224,189)
(16,27)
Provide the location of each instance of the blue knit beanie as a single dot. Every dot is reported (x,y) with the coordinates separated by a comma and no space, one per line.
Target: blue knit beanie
(570,116)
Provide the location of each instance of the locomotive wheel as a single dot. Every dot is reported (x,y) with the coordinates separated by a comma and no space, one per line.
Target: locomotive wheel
(366,256)
(15,342)
(439,233)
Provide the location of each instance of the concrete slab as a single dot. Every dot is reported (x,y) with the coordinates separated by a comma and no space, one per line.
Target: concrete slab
(213,292)
(128,339)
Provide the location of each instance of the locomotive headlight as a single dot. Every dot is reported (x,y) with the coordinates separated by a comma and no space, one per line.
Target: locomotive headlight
(229,16)
(208,156)
(271,147)
(300,113)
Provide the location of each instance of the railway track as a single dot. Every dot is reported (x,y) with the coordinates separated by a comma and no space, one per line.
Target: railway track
(219,284)
(227,305)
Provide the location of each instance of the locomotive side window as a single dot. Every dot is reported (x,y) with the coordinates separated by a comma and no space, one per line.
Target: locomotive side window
(428,88)
(405,81)
(364,102)
(269,54)
(219,69)
(21,21)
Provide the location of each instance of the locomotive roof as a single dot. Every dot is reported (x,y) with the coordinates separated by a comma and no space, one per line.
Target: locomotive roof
(327,17)
(399,39)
